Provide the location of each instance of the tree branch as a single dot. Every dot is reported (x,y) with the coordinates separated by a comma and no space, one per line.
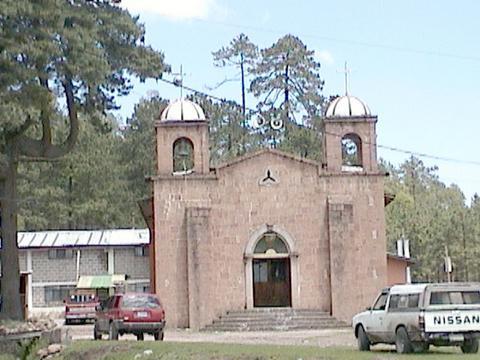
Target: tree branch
(44,149)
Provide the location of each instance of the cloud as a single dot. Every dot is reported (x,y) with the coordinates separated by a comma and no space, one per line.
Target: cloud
(325,57)
(172,9)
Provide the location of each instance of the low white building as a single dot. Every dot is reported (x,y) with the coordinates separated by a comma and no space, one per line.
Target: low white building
(52,261)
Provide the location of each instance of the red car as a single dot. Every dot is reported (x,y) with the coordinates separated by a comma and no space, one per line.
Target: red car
(80,307)
(130,313)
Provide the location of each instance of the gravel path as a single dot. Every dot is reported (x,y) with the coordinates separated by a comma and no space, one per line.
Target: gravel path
(323,338)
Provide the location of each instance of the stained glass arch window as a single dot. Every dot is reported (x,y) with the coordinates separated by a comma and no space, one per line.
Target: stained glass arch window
(270,243)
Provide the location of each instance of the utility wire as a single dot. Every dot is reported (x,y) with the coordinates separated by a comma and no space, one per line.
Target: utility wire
(349,42)
(391,148)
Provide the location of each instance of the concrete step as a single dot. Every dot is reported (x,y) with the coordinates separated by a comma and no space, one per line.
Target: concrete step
(264,319)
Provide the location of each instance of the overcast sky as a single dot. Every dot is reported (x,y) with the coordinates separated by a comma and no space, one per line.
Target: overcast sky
(415,63)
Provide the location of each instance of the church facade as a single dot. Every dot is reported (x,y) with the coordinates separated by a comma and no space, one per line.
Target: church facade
(267,229)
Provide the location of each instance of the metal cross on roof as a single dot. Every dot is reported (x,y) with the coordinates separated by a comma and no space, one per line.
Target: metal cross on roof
(178,80)
(345,71)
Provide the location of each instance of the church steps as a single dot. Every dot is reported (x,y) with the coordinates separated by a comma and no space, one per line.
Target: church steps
(267,319)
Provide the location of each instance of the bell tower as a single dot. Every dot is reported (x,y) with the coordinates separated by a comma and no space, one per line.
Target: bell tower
(182,140)
(350,136)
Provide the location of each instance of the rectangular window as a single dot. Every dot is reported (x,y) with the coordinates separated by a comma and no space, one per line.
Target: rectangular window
(60,254)
(56,294)
(142,288)
(454,297)
(400,302)
(141,251)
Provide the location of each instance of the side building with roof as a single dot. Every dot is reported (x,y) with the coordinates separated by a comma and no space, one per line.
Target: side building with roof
(52,262)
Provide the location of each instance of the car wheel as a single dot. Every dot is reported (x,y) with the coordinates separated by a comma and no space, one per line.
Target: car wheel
(402,341)
(112,332)
(96,334)
(362,339)
(159,335)
(140,337)
(470,346)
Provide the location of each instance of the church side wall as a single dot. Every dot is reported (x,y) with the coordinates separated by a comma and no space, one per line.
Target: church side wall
(357,242)
(172,198)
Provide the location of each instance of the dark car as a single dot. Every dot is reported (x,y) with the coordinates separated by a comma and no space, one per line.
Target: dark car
(130,313)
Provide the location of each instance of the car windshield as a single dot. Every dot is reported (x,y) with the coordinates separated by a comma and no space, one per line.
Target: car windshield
(454,297)
(140,301)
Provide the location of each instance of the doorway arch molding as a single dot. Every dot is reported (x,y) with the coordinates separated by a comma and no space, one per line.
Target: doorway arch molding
(292,253)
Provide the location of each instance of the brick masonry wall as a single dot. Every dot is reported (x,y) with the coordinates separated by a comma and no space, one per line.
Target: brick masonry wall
(126,262)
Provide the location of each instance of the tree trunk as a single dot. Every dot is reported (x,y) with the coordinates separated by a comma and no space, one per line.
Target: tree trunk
(243,91)
(10,281)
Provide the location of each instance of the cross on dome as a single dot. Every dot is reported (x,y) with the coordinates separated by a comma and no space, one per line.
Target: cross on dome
(345,71)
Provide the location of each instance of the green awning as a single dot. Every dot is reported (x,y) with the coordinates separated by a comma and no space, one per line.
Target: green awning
(100,281)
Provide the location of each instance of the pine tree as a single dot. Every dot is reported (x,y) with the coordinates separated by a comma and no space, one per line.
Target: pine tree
(80,52)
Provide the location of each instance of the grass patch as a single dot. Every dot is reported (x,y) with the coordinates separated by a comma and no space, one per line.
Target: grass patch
(119,350)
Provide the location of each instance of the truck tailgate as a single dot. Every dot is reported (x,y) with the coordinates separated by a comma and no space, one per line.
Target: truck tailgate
(452,320)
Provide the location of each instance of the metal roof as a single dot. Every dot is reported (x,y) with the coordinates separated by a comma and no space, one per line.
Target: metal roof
(77,238)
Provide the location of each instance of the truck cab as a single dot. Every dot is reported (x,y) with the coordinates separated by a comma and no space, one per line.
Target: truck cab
(415,316)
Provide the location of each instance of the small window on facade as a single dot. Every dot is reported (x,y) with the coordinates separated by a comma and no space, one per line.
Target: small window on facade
(352,151)
(270,243)
(56,294)
(141,251)
(142,288)
(182,156)
(60,254)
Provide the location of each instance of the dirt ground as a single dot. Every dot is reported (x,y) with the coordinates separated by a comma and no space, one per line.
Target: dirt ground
(323,338)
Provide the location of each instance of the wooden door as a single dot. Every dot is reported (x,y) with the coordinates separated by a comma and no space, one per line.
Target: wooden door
(271,283)
(24,294)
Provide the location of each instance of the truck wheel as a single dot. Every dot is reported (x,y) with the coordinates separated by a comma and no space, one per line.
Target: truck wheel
(402,341)
(159,335)
(96,334)
(362,339)
(140,337)
(112,332)
(470,346)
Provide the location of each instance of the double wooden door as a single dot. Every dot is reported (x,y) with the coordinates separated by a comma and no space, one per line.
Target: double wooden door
(271,283)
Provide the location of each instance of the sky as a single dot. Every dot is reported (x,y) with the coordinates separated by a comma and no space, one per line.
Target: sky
(415,63)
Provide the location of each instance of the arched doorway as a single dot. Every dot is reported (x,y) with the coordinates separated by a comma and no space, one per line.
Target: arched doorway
(271,272)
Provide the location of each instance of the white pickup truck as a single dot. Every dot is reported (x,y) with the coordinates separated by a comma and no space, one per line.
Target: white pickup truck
(415,316)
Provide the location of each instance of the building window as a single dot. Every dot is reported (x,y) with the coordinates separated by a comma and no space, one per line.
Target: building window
(270,243)
(56,294)
(352,150)
(182,156)
(141,251)
(142,288)
(60,254)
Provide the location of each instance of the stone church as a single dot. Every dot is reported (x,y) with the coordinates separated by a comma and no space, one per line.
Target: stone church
(267,229)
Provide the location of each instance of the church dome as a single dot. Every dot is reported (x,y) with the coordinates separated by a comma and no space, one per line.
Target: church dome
(182,110)
(347,106)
